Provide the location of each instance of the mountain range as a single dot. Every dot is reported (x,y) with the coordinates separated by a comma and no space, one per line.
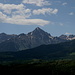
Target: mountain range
(31,40)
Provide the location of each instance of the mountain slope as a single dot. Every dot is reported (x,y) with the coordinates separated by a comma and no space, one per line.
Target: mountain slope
(54,51)
(64,50)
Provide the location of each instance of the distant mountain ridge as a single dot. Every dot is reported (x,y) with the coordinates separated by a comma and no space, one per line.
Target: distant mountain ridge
(33,39)
(4,37)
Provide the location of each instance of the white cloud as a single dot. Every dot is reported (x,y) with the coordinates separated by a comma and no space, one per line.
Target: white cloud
(45,11)
(71,13)
(40,22)
(37,2)
(19,14)
(20,20)
(7,8)
(55,11)
(15,10)
(2,17)
(26,13)
(65,3)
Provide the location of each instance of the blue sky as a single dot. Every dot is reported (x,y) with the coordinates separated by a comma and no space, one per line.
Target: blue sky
(22,16)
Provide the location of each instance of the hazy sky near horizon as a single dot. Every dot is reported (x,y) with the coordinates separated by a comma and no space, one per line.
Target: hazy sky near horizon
(22,16)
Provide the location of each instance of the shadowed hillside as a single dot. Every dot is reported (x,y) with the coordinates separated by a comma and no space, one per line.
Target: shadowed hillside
(55,51)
